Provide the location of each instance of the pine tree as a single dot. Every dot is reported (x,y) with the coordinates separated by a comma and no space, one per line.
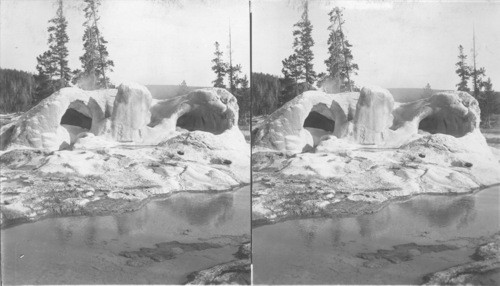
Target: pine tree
(95,60)
(478,83)
(183,88)
(231,70)
(477,74)
(220,67)
(427,90)
(58,38)
(292,70)
(463,70)
(244,82)
(235,77)
(339,63)
(52,66)
(335,60)
(298,68)
(243,95)
(302,45)
(45,83)
(487,103)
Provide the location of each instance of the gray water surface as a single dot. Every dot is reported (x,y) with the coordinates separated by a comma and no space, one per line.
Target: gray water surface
(85,250)
(324,251)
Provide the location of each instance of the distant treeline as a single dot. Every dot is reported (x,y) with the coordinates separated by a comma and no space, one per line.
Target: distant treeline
(17,89)
(270,92)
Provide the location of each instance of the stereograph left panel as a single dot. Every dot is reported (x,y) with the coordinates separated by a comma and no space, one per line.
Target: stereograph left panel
(125,155)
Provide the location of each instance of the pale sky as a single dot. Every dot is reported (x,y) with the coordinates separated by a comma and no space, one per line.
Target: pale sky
(395,44)
(149,41)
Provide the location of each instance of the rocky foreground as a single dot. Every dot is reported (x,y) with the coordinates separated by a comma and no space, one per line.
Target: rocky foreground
(233,272)
(478,272)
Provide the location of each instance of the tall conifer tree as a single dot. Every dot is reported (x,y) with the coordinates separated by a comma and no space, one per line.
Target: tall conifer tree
(95,60)
(302,46)
(52,65)
(340,64)
(463,70)
(298,67)
(220,67)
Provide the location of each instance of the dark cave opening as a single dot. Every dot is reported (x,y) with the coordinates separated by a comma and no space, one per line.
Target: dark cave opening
(203,121)
(445,124)
(75,118)
(319,121)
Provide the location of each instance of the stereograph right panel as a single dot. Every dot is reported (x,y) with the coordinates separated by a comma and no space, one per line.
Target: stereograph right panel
(375,150)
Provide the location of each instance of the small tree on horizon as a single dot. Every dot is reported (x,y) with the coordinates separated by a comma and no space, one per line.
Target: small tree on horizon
(183,88)
(427,90)
(220,67)
(463,70)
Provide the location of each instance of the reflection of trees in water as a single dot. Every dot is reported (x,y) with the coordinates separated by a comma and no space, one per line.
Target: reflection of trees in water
(131,222)
(63,230)
(201,209)
(193,208)
(336,232)
(307,229)
(443,211)
(375,224)
(90,231)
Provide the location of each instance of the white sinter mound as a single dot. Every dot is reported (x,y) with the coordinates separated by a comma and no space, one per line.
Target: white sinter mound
(368,149)
(79,150)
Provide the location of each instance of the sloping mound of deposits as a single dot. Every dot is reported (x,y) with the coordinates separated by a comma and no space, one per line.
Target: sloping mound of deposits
(320,150)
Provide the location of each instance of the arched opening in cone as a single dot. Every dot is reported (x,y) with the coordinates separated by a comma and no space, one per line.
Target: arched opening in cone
(203,120)
(319,122)
(446,123)
(76,119)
